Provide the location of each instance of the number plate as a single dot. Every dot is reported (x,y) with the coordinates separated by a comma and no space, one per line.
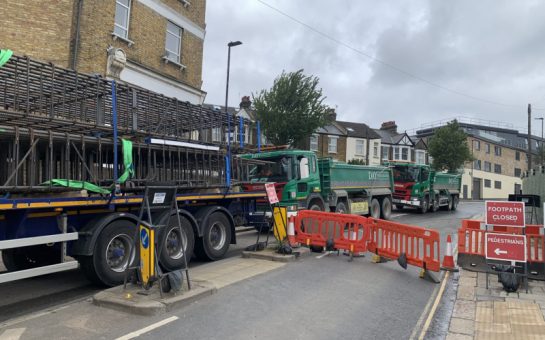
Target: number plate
(359,208)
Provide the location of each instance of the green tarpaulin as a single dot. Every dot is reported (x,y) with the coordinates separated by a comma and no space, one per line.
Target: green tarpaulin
(128,173)
(4,56)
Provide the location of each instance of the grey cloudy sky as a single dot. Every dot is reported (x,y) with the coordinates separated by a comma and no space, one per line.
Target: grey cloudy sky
(430,60)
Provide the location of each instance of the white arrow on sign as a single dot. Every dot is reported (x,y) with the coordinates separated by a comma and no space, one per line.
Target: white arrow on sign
(498,251)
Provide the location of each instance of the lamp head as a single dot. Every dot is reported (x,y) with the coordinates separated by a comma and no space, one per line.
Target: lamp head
(234,43)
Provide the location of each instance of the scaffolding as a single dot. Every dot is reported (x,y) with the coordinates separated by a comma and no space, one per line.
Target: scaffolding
(56,123)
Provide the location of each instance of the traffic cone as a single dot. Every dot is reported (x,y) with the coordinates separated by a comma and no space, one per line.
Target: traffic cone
(291,233)
(448,259)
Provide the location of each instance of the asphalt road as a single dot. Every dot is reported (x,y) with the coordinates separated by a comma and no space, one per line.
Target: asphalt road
(328,296)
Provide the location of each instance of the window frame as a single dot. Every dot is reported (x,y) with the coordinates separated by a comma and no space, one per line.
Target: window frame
(125,29)
(477,164)
(497,168)
(497,185)
(477,144)
(487,183)
(316,136)
(168,52)
(487,148)
(489,167)
(517,155)
(497,150)
(519,172)
(329,144)
(375,149)
(416,156)
(362,142)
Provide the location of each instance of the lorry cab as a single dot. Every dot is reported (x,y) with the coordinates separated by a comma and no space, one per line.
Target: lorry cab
(411,180)
(294,172)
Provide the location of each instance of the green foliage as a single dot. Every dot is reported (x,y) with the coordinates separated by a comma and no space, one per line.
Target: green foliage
(356,161)
(449,148)
(292,109)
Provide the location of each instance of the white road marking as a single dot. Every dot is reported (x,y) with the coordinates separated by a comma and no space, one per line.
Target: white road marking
(323,255)
(151,327)
(398,215)
(12,334)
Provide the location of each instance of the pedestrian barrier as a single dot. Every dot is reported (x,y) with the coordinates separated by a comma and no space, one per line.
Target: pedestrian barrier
(471,244)
(408,244)
(331,230)
(420,245)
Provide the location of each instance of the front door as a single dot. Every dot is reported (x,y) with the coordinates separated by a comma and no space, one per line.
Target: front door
(518,189)
(476,189)
(465,191)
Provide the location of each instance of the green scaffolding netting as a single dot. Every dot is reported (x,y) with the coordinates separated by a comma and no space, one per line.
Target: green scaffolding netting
(128,173)
(4,56)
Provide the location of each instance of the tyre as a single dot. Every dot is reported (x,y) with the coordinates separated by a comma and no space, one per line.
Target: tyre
(341,208)
(30,257)
(424,205)
(216,238)
(172,256)
(316,206)
(434,206)
(399,206)
(112,254)
(449,205)
(455,200)
(386,208)
(374,209)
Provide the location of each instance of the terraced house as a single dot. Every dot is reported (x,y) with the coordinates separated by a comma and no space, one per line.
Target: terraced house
(154,44)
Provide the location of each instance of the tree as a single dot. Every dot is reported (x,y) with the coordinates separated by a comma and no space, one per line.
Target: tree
(292,109)
(449,148)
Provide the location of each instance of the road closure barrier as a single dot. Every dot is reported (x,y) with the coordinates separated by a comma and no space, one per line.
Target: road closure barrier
(421,246)
(387,240)
(332,231)
(471,245)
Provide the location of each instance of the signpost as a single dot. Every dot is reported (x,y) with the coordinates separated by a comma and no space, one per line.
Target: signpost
(505,247)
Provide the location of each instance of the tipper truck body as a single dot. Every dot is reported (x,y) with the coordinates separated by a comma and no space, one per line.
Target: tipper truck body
(305,182)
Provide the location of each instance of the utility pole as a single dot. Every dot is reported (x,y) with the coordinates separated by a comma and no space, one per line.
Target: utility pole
(529,138)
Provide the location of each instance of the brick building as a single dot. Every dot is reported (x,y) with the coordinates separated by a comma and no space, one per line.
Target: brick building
(154,44)
(501,159)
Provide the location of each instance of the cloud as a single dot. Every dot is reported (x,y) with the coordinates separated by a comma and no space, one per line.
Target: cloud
(490,50)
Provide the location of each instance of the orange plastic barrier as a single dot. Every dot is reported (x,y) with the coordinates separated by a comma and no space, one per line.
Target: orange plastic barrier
(421,246)
(471,239)
(340,231)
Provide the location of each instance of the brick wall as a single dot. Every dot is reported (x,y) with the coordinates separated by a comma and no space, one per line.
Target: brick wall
(323,143)
(41,31)
(507,160)
(44,32)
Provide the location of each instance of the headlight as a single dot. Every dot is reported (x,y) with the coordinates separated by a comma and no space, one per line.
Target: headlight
(292,207)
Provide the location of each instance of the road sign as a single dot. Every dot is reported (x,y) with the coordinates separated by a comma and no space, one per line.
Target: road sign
(271,193)
(501,213)
(505,247)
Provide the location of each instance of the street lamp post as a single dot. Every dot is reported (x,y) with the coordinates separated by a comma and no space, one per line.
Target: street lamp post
(229,45)
(541,143)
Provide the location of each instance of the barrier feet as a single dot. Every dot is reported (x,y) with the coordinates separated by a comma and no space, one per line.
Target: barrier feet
(427,275)
(379,259)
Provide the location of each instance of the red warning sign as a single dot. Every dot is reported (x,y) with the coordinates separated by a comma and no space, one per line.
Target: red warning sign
(505,247)
(509,214)
(271,193)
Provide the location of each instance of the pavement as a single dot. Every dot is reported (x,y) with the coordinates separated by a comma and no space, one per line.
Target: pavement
(481,313)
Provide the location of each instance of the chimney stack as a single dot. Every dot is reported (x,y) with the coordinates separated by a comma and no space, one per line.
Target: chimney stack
(245,102)
(332,114)
(389,126)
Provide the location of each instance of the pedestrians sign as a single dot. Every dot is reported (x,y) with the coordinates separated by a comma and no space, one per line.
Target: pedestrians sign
(509,214)
(271,193)
(505,247)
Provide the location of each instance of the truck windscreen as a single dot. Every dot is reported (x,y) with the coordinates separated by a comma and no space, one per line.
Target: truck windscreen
(277,169)
(406,174)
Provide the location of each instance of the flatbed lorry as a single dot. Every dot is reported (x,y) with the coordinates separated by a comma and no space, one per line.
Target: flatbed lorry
(78,152)
(303,181)
(418,186)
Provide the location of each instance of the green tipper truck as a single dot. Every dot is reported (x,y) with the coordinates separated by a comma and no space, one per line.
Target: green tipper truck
(305,182)
(418,186)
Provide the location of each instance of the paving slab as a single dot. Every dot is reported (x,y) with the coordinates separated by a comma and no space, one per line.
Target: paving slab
(461,326)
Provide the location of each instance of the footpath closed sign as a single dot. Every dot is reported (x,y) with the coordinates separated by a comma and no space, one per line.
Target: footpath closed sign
(505,247)
(509,214)
(271,193)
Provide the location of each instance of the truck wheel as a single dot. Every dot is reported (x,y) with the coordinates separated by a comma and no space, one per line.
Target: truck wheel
(316,206)
(341,208)
(454,202)
(30,257)
(171,254)
(424,205)
(112,254)
(375,208)
(386,208)
(434,206)
(216,238)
